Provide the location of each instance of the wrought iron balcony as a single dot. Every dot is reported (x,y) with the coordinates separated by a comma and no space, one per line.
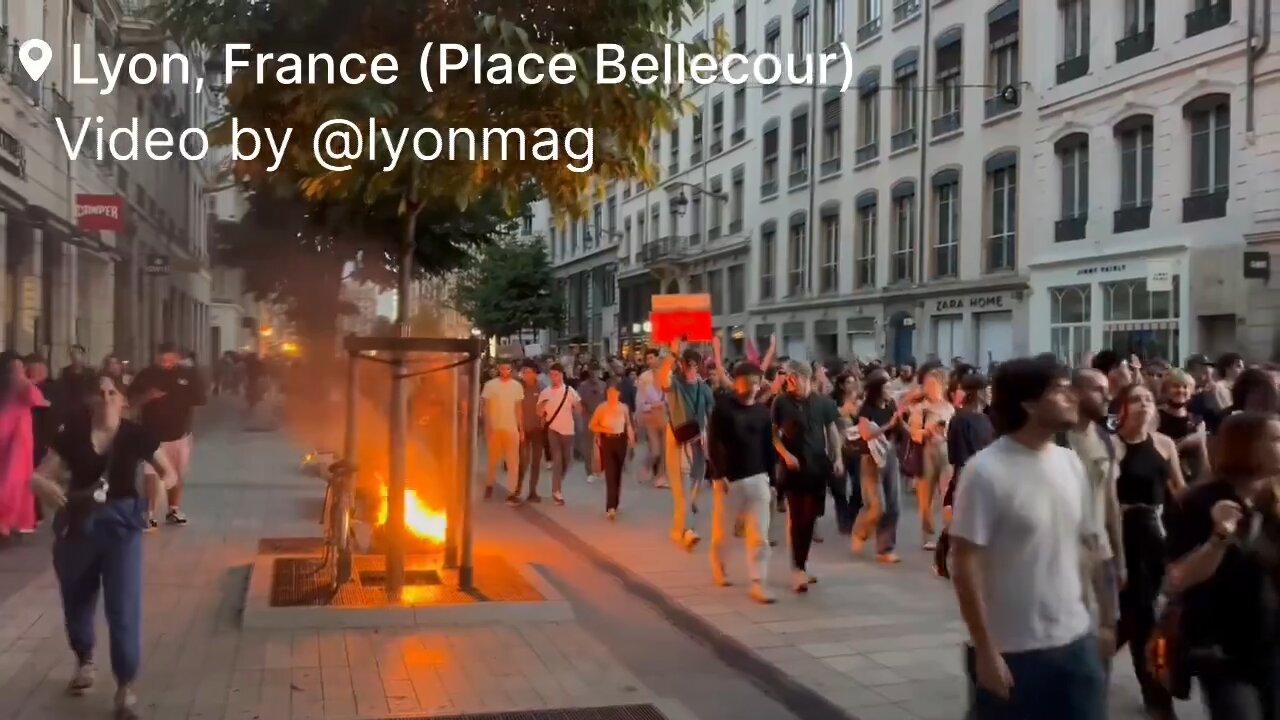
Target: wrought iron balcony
(1070,228)
(948,123)
(1128,219)
(1073,68)
(1202,20)
(902,139)
(869,29)
(1135,44)
(664,250)
(1204,206)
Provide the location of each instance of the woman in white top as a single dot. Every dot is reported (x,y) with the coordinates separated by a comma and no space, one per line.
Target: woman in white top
(615,436)
(927,426)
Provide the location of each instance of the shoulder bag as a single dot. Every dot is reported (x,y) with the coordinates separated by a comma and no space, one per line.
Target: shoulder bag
(689,430)
(546,425)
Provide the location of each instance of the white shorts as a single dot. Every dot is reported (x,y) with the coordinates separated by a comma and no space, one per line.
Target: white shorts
(178,453)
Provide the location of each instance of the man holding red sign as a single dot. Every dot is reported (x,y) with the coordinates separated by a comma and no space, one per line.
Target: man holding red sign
(689,406)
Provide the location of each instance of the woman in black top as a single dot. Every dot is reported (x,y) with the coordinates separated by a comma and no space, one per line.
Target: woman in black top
(101,516)
(1223,544)
(879,422)
(1149,477)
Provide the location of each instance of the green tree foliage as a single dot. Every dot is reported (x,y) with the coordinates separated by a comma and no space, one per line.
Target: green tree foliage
(509,290)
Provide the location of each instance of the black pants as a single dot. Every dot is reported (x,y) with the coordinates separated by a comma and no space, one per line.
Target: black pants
(1144,560)
(1232,694)
(846,495)
(803,508)
(613,454)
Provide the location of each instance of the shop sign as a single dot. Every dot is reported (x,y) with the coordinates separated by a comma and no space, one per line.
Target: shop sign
(977,302)
(157,265)
(1257,265)
(1159,276)
(100,212)
(1102,269)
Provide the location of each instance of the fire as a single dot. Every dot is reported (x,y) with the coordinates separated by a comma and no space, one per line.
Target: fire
(420,520)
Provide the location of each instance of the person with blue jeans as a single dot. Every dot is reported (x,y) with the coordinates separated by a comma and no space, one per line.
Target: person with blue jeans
(99,524)
(689,404)
(878,474)
(1018,534)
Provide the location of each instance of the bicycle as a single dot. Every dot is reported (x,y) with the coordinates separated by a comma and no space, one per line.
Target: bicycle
(338,519)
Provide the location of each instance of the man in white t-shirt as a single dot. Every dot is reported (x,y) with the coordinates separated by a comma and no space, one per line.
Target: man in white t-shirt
(1018,528)
(556,406)
(503,429)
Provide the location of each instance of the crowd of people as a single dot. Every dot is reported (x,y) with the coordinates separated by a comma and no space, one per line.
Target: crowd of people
(105,452)
(1075,510)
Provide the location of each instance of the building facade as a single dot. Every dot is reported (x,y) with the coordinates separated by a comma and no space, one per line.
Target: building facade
(985,189)
(62,284)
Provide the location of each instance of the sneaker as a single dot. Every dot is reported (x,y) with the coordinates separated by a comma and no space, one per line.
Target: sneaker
(126,704)
(488,492)
(611,515)
(761,595)
(661,484)
(83,679)
(929,546)
(513,500)
(812,580)
(534,498)
(175,517)
(591,479)
(718,575)
(800,581)
(152,525)
(558,497)
(888,558)
(689,539)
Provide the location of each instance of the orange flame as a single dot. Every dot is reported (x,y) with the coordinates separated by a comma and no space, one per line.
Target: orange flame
(420,520)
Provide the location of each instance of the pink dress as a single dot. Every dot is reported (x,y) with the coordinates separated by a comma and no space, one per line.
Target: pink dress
(17,455)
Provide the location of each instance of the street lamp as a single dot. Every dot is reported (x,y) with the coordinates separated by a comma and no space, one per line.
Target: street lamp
(681,201)
(587,237)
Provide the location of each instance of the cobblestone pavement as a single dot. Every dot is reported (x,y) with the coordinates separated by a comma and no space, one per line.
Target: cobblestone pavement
(881,642)
(197,664)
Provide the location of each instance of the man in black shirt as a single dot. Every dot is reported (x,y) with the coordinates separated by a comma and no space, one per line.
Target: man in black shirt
(808,441)
(739,440)
(77,380)
(168,394)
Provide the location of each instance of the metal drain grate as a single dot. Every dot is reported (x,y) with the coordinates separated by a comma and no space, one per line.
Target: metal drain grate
(290,546)
(378,578)
(610,712)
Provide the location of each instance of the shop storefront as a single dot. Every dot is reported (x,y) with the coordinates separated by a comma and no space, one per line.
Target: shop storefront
(982,328)
(1130,305)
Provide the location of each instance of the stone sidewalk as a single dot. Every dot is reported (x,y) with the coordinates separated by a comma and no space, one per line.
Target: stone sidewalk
(880,642)
(197,664)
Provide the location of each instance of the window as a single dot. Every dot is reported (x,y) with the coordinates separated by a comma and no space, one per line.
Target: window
(904,232)
(526,223)
(828,272)
(768,256)
(641,235)
(905,90)
(1207,15)
(739,116)
(1209,118)
(695,145)
(1003,72)
(737,200)
(717,124)
(573,238)
(715,287)
(796,260)
(557,245)
(1002,211)
(800,147)
(769,161)
(716,209)
(946,116)
(695,284)
(696,217)
(717,32)
(740,26)
(773,38)
(593,235)
(865,254)
(869,13)
(905,10)
(946,234)
(655,212)
(673,219)
(1070,309)
(1074,16)
(831,134)
(868,117)
(1135,136)
(674,165)
(801,37)
(1138,321)
(1073,164)
(832,22)
(737,289)
(1139,29)
(611,213)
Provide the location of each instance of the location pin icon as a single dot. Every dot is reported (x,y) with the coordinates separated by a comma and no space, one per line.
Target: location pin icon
(35,56)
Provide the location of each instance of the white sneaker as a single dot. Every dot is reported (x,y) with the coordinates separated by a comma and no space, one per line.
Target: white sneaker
(689,539)
(126,704)
(761,595)
(800,581)
(591,479)
(83,679)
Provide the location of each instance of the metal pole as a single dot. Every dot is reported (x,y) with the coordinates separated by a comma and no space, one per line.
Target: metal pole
(454,514)
(349,438)
(399,414)
(465,571)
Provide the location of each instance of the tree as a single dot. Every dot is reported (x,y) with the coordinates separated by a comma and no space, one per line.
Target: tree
(509,290)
